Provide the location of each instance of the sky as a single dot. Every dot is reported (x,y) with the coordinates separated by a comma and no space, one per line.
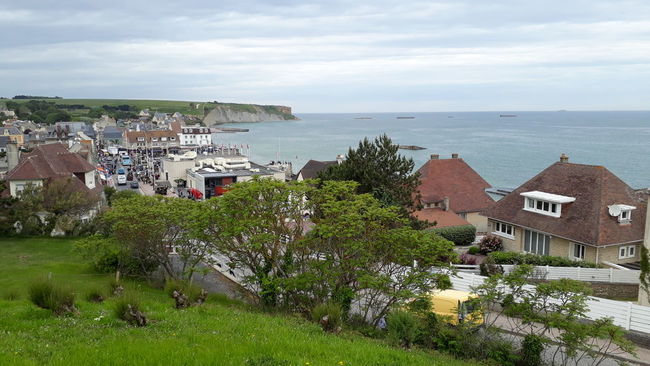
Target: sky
(334,56)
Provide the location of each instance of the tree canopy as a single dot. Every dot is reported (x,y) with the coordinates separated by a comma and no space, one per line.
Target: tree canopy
(380,170)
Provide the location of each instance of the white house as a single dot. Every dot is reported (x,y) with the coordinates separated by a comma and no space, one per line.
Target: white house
(195,136)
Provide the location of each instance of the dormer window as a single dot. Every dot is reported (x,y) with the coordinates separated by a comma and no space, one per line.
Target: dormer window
(140,138)
(622,212)
(543,203)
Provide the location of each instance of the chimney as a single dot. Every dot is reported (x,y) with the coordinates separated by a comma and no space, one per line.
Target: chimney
(454,156)
(12,155)
(435,156)
(564,158)
(339,159)
(446,203)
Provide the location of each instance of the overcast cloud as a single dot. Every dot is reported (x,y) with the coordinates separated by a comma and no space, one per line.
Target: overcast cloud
(334,56)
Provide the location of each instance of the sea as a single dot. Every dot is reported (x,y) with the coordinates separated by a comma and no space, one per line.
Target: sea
(505,151)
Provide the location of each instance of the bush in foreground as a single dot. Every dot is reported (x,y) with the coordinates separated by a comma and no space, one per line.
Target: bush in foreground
(185,293)
(47,294)
(127,308)
(329,316)
(402,328)
(95,295)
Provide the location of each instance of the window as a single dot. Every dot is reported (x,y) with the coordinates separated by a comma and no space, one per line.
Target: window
(543,207)
(578,251)
(536,243)
(545,203)
(154,139)
(163,139)
(625,217)
(504,230)
(627,252)
(140,138)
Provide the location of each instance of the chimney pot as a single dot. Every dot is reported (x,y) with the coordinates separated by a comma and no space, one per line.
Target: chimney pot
(435,156)
(564,158)
(454,156)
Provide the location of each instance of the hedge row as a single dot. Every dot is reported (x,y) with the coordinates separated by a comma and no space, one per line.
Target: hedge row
(537,260)
(460,235)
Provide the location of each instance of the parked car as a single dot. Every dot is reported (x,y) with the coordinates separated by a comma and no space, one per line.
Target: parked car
(455,307)
(134,184)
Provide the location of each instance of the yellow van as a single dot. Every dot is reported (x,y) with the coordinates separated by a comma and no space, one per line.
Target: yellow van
(453,307)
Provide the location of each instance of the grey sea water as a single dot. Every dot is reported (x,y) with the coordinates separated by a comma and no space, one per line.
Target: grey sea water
(506,151)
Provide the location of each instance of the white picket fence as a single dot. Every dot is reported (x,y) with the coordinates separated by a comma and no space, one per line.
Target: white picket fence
(624,314)
(577,273)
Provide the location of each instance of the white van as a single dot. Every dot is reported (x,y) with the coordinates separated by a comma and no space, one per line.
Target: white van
(121,179)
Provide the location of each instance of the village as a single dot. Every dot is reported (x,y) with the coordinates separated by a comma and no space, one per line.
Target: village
(580,221)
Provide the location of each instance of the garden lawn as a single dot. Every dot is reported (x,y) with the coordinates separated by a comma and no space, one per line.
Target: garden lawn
(220,332)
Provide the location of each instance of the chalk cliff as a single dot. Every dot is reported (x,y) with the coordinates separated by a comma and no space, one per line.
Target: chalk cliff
(217,113)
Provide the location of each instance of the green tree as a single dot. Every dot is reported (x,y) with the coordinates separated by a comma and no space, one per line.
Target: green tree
(256,225)
(149,227)
(380,170)
(554,312)
(363,254)
(644,279)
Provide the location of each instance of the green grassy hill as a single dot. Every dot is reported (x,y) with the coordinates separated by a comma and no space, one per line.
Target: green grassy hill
(220,332)
(164,106)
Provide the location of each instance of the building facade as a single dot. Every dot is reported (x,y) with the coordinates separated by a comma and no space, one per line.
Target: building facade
(583,212)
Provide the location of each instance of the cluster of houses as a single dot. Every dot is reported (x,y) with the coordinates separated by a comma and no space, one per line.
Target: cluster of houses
(582,212)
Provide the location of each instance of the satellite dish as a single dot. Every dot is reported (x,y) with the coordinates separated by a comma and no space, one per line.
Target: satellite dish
(614,210)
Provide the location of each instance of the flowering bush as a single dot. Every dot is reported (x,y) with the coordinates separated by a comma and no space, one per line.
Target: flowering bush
(490,243)
(467,258)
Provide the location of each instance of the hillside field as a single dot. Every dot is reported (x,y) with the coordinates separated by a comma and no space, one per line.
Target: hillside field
(220,332)
(164,106)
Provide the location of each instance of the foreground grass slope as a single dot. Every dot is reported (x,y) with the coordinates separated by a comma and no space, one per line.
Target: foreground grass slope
(218,333)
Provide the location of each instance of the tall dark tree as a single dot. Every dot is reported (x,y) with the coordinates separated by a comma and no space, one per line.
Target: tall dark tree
(380,170)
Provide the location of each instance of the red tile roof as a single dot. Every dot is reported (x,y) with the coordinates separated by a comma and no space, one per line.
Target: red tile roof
(441,217)
(454,179)
(587,219)
(49,161)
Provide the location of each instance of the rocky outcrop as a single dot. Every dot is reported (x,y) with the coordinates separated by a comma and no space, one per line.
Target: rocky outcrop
(240,113)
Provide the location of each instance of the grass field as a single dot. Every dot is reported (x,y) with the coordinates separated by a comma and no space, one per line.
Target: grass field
(219,332)
(164,106)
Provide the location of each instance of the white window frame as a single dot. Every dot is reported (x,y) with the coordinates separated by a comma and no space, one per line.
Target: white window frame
(631,251)
(501,229)
(154,139)
(626,251)
(625,217)
(582,249)
(140,138)
(535,244)
(532,204)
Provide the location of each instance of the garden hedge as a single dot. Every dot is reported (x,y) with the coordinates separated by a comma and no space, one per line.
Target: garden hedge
(537,260)
(460,235)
